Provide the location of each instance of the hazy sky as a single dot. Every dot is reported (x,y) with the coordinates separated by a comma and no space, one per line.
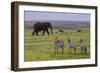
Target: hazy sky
(35,15)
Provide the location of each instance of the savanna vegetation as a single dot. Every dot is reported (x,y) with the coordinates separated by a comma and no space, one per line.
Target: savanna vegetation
(40,48)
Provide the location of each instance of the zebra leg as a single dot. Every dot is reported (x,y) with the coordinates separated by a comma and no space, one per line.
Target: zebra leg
(62,50)
(55,50)
(69,50)
(74,50)
(85,50)
(81,50)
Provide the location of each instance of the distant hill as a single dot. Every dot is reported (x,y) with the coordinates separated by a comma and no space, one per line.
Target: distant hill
(61,24)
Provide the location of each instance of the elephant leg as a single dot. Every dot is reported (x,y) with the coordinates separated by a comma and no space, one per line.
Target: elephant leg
(43,32)
(47,31)
(37,33)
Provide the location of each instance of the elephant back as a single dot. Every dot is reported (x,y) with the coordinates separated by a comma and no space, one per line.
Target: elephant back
(46,25)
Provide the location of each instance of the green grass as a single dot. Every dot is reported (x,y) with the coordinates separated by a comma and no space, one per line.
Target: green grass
(40,48)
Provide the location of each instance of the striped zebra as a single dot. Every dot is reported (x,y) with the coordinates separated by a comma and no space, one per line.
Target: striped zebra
(71,45)
(59,44)
(83,47)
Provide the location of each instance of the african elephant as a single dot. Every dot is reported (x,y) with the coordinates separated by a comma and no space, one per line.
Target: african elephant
(42,26)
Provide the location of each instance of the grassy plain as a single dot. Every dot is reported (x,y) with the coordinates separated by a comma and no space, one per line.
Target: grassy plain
(41,48)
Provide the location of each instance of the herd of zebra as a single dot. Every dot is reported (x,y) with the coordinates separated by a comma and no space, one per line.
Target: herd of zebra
(59,44)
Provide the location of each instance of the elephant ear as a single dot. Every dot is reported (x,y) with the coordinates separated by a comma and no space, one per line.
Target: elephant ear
(36,25)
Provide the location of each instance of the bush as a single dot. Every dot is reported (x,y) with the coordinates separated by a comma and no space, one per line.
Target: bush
(79,30)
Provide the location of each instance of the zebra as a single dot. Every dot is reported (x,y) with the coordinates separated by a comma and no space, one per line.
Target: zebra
(59,44)
(83,47)
(71,45)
